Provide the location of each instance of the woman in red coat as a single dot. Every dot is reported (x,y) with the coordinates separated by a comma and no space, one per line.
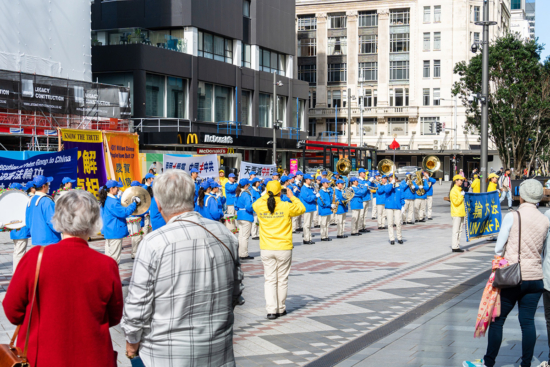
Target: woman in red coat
(79,295)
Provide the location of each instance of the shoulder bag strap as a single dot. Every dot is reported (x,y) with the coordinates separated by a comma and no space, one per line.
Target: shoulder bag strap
(519,246)
(38,264)
(224,245)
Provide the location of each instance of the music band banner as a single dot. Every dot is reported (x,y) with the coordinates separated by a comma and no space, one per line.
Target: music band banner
(206,164)
(262,170)
(483,214)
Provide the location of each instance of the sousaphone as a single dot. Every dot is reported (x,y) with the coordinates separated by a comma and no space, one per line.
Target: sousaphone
(431,164)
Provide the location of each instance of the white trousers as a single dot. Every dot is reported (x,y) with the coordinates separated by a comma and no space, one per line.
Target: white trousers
(244,232)
(113,248)
(295,223)
(19,249)
(276,270)
(374,209)
(355,220)
(429,202)
(231,224)
(419,208)
(341,222)
(316,220)
(255,232)
(307,225)
(408,211)
(381,209)
(324,225)
(458,223)
(363,215)
(394,217)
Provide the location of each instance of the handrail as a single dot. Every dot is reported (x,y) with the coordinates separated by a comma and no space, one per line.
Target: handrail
(228,126)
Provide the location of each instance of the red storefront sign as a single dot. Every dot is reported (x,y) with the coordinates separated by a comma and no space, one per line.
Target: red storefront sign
(328,144)
(211,150)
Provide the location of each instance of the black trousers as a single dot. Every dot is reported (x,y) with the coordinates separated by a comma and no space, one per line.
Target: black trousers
(546,301)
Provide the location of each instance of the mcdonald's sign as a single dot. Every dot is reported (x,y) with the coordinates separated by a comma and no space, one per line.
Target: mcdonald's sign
(230,151)
(192,139)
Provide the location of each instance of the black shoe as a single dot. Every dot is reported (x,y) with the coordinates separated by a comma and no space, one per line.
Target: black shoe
(423,220)
(281,314)
(416,220)
(272,316)
(334,224)
(308,242)
(344,236)
(255,238)
(326,239)
(373,218)
(395,225)
(385,227)
(300,230)
(400,242)
(404,223)
(247,258)
(356,234)
(317,227)
(392,242)
(458,250)
(430,219)
(410,222)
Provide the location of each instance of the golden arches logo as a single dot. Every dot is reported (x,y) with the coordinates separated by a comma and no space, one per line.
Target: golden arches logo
(192,139)
(230,151)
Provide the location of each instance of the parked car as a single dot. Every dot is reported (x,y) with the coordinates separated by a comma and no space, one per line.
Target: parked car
(402,171)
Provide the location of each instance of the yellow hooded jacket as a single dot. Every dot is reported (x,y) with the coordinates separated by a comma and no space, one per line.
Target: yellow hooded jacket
(457,203)
(223,181)
(276,228)
(476,186)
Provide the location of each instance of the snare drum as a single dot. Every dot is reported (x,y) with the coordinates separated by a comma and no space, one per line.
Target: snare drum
(134,226)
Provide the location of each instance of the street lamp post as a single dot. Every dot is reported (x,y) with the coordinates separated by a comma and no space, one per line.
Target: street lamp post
(349,116)
(275,122)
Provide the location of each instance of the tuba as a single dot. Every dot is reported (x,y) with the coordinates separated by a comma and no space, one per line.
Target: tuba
(431,164)
(343,166)
(385,166)
(420,183)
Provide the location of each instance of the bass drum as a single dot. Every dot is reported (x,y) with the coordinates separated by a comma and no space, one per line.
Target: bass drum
(13,207)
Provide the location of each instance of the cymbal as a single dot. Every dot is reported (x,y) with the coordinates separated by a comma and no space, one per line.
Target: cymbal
(142,194)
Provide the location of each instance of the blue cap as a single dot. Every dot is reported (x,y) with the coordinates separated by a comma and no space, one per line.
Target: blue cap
(307,176)
(353,179)
(40,180)
(29,184)
(193,170)
(16,185)
(336,174)
(112,183)
(254,180)
(324,173)
(204,184)
(319,177)
(324,180)
(135,183)
(362,170)
(66,180)
(299,173)
(243,182)
(150,175)
(291,176)
(284,179)
(231,175)
(267,180)
(253,173)
(214,184)
(408,173)
(340,181)
(377,173)
(384,176)
(275,174)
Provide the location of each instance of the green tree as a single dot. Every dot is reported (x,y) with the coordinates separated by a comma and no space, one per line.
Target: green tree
(518,101)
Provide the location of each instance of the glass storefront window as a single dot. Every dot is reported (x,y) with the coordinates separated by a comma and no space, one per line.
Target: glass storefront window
(154,95)
(177,98)
(205,102)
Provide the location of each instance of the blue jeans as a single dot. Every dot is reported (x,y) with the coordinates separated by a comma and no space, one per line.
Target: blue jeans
(527,295)
(506,194)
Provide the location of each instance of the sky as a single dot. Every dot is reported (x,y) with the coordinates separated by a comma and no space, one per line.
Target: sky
(542,26)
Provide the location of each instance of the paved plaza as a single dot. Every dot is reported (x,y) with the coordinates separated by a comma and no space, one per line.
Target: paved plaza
(359,301)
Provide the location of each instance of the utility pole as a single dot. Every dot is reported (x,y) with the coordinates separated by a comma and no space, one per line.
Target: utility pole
(349,116)
(456,121)
(361,105)
(275,120)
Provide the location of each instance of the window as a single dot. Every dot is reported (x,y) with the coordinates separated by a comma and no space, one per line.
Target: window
(329,101)
(368,71)
(177,97)
(399,70)
(222,107)
(307,23)
(307,47)
(399,42)
(312,99)
(516,4)
(437,97)
(154,95)
(399,97)
(368,44)
(246,8)
(437,41)
(476,37)
(312,131)
(370,98)
(336,99)
(337,72)
(337,21)
(477,12)
(427,14)
(427,42)
(120,79)
(426,69)
(398,126)
(369,127)
(400,17)
(272,62)
(426,97)
(281,110)
(215,47)
(368,19)
(308,73)
(428,126)
(246,107)
(205,92)
(265,110)
(297,113)
(437,14)
(337,46)
(245,56)
(437,68)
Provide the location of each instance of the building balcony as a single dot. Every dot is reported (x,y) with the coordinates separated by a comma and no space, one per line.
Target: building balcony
(405,111)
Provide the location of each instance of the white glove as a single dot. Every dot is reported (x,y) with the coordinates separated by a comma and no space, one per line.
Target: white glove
(462,193)
(402,208)
(137,200)
(295,189)
(318,195)
(333,206)
(371,179)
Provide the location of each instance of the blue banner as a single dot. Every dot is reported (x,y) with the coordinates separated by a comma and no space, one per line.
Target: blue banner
(56,165)
(483,215)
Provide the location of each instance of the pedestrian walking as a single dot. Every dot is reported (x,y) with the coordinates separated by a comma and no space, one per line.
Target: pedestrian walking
(420,200)
(458,212)
(522,237)
(185,284)
(429,194)
(276,245)
(367,196)
(80,292)
(505,185)
(408,193)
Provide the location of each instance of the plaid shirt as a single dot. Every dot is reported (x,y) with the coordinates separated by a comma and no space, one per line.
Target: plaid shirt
(181,296)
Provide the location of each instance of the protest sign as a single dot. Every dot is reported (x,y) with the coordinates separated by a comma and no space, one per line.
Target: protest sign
(123,160)
(262,170)
(293,166)
(206,164)
(483,214)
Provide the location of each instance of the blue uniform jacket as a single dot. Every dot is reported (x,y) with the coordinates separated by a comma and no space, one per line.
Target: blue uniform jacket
(380,194)
(394,198)
(406,191)
(324,203)
(424,186)
(197,188)
(114,218)
(230,189)
(21,233)
(308,198)
(367,196)
(211,209)
(42,231)
(157,220)
(431,182)
(357,202)
(243,206)
(256,194)
(296,190)
(342,207)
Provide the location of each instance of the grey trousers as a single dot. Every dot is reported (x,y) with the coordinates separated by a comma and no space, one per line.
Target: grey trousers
(324,225)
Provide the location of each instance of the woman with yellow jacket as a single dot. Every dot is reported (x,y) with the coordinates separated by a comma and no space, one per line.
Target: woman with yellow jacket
(493,183)
(476,185)
(276,246)
(457,211)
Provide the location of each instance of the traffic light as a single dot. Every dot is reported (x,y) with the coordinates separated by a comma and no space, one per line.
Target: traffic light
(438,127)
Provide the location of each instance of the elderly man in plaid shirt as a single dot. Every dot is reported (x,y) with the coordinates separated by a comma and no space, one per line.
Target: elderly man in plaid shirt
(185,284)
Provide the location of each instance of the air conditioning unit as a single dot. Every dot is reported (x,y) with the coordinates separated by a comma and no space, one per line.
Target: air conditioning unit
(436,144)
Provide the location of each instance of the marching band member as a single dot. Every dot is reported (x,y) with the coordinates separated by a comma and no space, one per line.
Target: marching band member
(380,196)
(256,194)
(137,239)
(364,184)
(429,194)
(245,216)
(41,209)
(309,199)
(230,188)
(374,181)
(457,211)
(356,205)
(476,185)
(324,175)
(66,185)
(409,196)
(157,221)
(31,189)
(342,209)
(114,217)
(324,204)
(20,237)
(299,178)
(393,202)
(194,175)
(207,204)
(149,178)
(316,221)
(275,176)
(252,176)
(420,201)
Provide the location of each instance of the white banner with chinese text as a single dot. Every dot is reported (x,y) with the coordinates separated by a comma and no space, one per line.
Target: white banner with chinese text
(206,164)
(262,170)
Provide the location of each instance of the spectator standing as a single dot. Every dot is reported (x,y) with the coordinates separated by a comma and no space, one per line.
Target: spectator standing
(505,185)
(185,284)
(458,211)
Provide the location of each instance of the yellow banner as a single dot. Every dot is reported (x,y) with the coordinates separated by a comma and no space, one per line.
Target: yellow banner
(122,158)
(82,136)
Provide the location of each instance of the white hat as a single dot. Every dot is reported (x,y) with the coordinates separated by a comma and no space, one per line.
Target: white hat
(531,191)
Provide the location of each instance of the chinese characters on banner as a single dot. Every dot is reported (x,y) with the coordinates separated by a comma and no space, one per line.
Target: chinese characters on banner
(123,160)
(483,215)
(206,164)
(262,170)
(91,160)
(293,166)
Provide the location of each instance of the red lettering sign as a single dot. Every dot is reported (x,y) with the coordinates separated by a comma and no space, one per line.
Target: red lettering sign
(211,150)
